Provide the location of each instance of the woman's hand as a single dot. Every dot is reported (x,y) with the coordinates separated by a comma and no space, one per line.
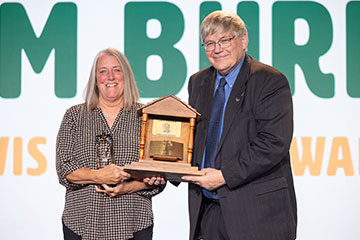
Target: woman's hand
(112,174)
(119,189)
(130,187)
(154,181)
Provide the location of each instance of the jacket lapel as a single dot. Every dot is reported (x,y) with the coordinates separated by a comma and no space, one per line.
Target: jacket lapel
(206,98)
(207,90)
(236,99)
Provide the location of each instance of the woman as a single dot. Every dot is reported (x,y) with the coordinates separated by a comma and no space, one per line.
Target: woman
(104,202)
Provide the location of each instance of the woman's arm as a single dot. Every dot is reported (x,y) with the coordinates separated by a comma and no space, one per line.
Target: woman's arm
(110,174)
(131,186)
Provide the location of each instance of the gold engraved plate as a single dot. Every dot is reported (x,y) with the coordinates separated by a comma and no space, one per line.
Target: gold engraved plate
(166,148)
(166,128)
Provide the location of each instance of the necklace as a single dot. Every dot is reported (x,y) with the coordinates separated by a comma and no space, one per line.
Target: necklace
(109,116)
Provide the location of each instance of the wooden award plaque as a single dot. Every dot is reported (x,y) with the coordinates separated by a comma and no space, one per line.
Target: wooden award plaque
(166,142)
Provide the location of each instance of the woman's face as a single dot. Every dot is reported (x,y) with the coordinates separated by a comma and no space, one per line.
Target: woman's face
(109,79)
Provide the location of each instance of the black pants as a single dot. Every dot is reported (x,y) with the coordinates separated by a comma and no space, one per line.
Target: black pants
(145,234)
(69,234)
(212,225)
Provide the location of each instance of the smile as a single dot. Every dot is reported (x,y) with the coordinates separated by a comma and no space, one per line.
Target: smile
(220,57)
(111,84)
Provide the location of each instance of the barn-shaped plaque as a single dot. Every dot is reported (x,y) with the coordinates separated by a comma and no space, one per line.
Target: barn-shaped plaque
(167,138)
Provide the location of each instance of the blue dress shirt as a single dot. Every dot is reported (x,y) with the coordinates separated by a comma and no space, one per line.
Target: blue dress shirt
(230,80)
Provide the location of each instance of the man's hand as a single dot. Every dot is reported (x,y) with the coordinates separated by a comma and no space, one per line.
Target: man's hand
(212,179)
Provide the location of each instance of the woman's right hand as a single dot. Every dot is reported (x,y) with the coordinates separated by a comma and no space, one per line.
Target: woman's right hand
(112,174)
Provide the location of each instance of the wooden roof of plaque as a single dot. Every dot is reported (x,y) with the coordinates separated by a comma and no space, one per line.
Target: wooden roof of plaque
(169,105)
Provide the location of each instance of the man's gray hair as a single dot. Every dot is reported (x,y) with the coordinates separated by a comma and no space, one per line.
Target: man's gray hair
(227,22)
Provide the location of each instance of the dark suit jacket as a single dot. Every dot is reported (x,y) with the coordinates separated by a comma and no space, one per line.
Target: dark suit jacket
(258,200)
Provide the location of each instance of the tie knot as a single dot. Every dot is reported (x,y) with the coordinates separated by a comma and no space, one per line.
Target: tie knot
(222,82)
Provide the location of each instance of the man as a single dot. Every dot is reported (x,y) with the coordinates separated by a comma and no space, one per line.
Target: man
(242,141)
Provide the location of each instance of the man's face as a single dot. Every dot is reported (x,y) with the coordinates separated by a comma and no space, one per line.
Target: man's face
(226,59)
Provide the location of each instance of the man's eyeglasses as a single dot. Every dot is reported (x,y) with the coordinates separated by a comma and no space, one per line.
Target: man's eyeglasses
(223,43)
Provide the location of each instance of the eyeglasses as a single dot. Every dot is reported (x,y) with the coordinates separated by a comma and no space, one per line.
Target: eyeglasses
(223,43)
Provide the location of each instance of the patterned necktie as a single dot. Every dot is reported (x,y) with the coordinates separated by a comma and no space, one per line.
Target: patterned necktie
(212,138)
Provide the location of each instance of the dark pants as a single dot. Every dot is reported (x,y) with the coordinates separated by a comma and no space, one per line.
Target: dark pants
(145,234)
(212,225)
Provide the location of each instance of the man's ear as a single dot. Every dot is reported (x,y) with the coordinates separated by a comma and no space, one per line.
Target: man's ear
(245,41)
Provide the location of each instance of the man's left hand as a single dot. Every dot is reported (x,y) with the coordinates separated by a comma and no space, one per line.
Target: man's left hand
(212,179)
